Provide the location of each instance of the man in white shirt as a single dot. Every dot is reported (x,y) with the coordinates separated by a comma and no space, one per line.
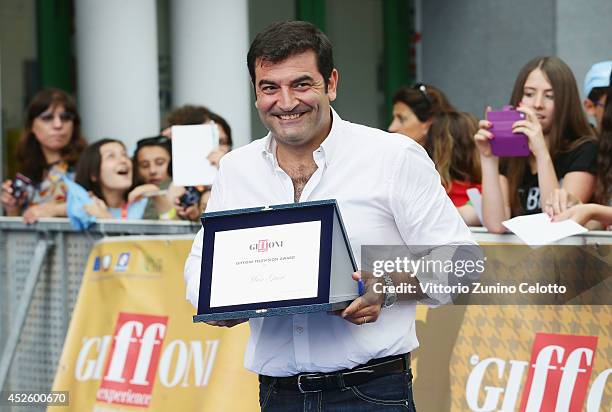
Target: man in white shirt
(389,194)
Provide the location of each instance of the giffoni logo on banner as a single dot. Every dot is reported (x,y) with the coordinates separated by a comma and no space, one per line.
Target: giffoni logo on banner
(558,376)
(137,355)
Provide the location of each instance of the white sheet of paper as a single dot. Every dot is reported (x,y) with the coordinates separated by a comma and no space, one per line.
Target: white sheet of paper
(476,199)
(191,146)
(266,264)
(538,230)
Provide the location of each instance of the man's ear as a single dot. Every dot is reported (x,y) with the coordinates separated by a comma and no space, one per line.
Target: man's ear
(332,85)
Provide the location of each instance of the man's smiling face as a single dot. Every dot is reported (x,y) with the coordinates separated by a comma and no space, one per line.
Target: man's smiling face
(292,100)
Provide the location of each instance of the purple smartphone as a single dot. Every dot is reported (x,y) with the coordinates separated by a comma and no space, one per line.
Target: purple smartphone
(506,143)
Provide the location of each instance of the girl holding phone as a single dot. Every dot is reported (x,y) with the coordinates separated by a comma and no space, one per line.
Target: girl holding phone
(563,150)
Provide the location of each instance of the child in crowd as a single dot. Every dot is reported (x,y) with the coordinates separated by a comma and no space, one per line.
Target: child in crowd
(596,83)
(560,141)
(105,170)
(47,150)
(153,174)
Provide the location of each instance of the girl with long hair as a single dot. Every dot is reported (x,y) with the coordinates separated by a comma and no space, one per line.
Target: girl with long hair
(563,150)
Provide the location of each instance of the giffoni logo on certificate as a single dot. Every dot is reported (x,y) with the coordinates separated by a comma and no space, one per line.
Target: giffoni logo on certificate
(266,245)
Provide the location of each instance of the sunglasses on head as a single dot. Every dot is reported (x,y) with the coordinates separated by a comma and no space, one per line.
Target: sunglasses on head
(421,87)
(64,117)
(155,140)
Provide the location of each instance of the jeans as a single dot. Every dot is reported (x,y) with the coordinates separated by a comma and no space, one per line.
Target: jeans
(392,392)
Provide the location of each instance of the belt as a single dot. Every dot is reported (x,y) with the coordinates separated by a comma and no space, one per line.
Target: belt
(317,382)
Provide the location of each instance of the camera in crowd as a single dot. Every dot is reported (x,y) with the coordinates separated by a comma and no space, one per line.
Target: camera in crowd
(191,196)
(20,185)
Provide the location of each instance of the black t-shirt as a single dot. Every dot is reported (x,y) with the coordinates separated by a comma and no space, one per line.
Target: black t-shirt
(581,159)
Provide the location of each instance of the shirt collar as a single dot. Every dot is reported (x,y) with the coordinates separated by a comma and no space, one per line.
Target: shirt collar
(328,147)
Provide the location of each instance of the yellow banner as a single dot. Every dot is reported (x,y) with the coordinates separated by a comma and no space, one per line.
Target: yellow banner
(132,346)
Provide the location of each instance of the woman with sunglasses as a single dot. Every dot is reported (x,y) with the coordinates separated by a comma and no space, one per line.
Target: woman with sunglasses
(47,150)
(424,114)
(563,149)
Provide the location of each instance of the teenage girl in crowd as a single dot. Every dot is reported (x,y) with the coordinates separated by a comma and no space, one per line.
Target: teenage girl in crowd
(563,151)
(601,209)
(105,170)
(47,150)
(424,114)
(153,175)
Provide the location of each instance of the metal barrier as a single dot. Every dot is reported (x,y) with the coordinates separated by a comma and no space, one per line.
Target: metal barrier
(41,267)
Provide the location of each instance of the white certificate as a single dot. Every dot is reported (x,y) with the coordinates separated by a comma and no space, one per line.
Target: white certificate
(265,264)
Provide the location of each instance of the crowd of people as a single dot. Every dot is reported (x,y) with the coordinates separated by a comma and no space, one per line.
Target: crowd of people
(568,167)
(567,174)
(55,160)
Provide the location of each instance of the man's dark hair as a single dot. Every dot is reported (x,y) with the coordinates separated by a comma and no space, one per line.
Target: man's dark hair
(284,39)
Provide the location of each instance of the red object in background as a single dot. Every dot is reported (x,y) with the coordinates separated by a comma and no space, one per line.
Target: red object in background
(458,192)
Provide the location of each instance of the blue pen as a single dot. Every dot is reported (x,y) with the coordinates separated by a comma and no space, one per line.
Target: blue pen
(360,287)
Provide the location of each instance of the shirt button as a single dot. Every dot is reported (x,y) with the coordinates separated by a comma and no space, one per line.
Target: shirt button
(299,329)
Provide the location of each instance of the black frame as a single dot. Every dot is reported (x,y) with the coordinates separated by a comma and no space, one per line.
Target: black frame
(214,222)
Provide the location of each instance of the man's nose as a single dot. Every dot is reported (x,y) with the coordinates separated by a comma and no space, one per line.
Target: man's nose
(287,100)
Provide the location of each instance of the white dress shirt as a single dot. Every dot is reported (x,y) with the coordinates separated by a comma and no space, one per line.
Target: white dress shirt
(388,192)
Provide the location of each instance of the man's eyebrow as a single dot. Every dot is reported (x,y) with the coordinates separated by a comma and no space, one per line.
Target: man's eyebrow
(264,81)
(301,79)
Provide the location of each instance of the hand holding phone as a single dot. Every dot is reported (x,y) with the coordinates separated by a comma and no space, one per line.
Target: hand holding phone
(506,143)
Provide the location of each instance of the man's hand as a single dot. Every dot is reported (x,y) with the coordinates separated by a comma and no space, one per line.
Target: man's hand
(226,323)
(366,308)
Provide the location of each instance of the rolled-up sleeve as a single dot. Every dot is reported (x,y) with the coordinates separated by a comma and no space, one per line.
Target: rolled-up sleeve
(427,220)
